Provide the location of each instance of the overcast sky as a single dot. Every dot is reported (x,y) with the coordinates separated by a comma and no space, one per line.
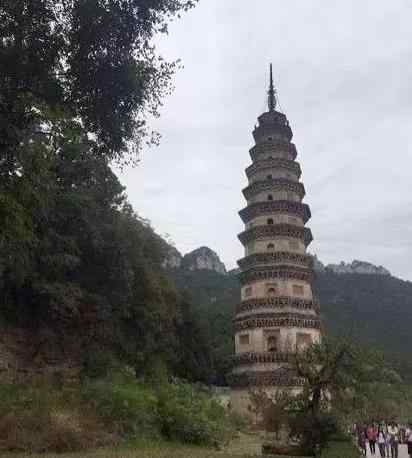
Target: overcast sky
(343,72)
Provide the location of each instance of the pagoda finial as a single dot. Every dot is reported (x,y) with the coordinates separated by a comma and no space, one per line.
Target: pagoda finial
(271,93)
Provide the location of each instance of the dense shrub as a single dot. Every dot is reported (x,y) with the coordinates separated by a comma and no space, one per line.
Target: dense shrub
(126,406)
(41,417)
(190,415)
(48,417)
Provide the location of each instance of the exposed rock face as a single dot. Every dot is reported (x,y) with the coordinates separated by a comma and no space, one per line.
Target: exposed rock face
(173,259)
(317,265)
(203,258)
(355,267)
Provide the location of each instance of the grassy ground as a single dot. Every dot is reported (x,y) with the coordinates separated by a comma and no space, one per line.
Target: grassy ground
(161,450)
(340,450)
(141,451)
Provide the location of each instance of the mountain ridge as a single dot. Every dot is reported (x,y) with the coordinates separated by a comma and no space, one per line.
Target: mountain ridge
(364,302)
(204,258)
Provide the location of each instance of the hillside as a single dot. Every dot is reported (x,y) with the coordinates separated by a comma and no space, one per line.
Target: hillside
(374,309)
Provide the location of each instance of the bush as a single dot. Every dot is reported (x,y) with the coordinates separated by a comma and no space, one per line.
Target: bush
(41,417)
(191,416)
(127,407)
(175,411)
(46,417)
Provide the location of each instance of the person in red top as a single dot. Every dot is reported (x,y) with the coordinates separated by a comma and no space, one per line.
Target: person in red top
(371,435)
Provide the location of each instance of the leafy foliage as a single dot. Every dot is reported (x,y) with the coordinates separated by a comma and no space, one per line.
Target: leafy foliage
(87,60)
(90,260)
(78,80)
(126,406)
(334,368)
(189,415)
(341,382)
(336,376)
(41,417)
(213,296)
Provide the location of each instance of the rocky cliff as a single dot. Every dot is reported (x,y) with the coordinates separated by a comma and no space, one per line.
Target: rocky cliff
(203,258)
(355,267)
(173,259)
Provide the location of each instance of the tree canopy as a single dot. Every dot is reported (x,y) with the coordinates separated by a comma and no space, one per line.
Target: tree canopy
(89,60)
(78,80)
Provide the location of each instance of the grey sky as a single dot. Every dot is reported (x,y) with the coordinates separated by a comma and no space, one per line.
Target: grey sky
(343,71)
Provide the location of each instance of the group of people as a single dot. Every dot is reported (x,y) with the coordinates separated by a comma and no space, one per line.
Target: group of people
(385,437)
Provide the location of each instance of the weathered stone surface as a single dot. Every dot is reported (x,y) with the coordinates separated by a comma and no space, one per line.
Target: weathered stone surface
(276,272)
(254,304)
(267,147)
(278,257)
(203,258)
(272,185)
(357,267)
(270,231)
(317,265)
(270,164)
(262,357)
(173,259)
(277,320)
(273,207)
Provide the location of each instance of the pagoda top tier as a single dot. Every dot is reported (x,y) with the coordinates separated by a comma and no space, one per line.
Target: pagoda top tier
(272,125)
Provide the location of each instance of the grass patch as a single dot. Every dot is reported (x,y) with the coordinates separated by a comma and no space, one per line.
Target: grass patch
(340,450)
(148,450)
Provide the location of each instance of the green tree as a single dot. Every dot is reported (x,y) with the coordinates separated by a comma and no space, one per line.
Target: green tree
(339,379)
(78,80)
(90,60)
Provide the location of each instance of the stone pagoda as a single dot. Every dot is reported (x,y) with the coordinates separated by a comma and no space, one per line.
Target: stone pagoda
(277,314)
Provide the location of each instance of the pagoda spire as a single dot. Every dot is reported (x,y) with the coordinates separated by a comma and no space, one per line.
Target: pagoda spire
(271,93)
